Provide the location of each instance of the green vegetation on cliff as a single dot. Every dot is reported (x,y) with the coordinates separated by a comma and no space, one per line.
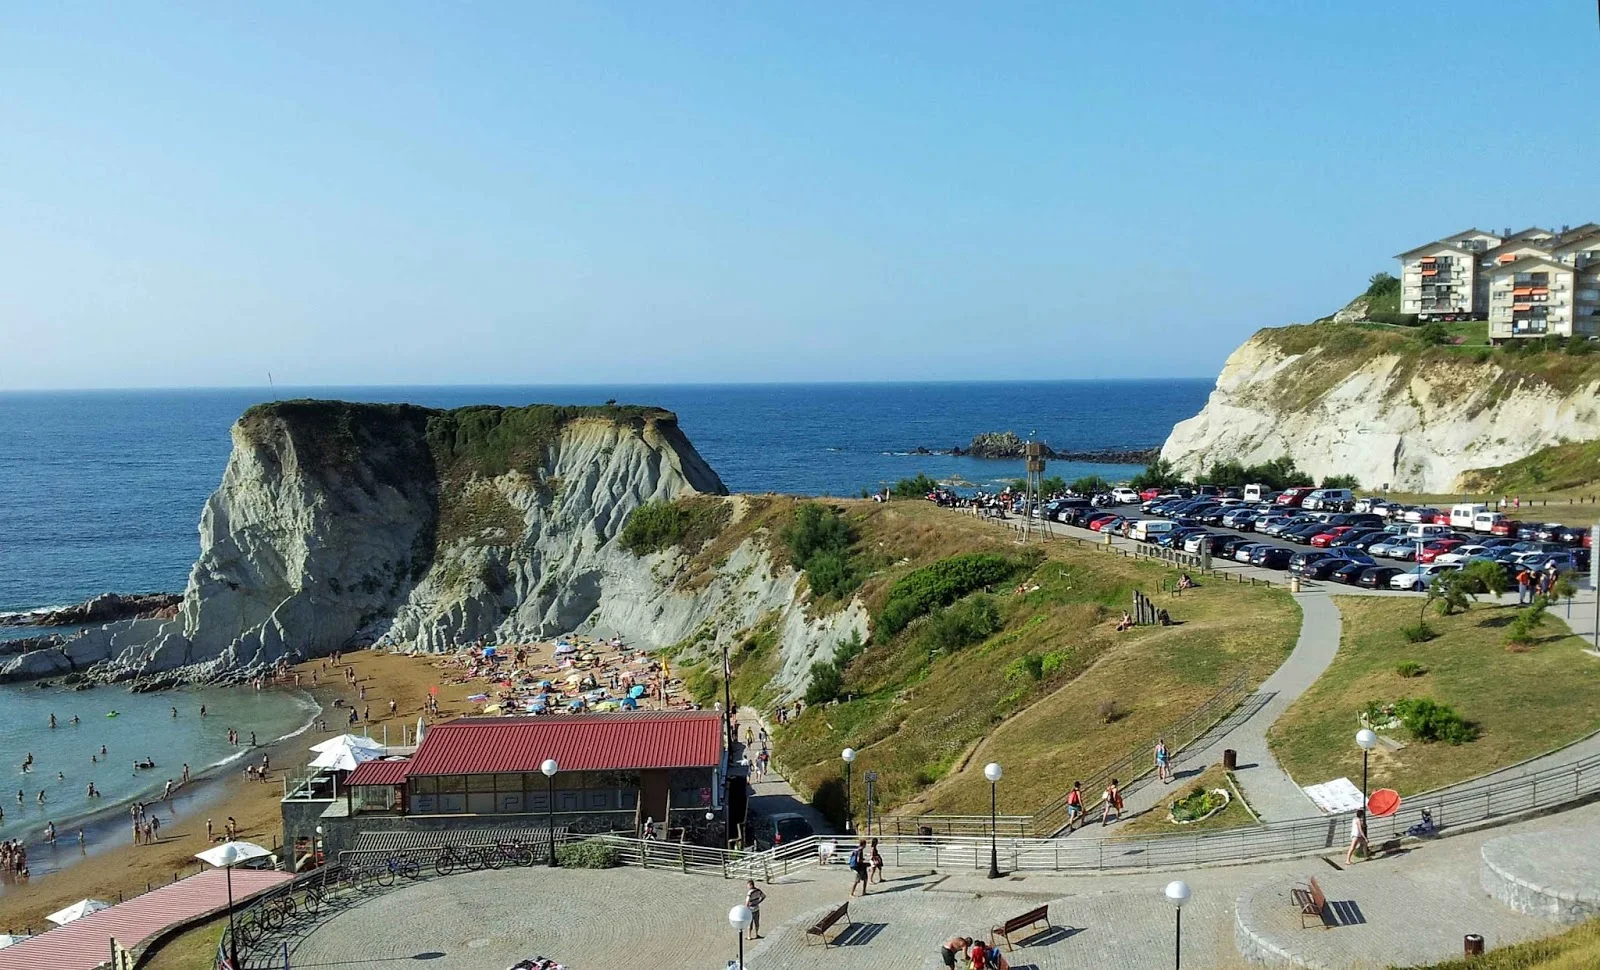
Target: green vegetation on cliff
(687,523)
(1553,469)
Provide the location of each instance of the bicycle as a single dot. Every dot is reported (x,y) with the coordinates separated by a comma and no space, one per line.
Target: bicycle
(447,861)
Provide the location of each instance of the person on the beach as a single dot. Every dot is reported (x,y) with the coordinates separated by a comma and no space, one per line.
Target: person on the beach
(41,796)
(174,712)
(80,836)
(166,792)
(953,948)
(185,773)
(202,710)
(252,739)
(52,722)
(50,832)
(877,862)
(753,898)
(210,834)
(75,722)
(1074,805)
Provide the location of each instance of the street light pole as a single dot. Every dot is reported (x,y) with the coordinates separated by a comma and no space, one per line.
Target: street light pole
(549,768)
(233,938)
(849,756)
(992,772)
(1366,740)
(740,917)
(1178,893)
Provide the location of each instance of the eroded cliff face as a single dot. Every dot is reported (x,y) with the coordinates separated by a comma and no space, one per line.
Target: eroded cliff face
(1376,409)
(340,525)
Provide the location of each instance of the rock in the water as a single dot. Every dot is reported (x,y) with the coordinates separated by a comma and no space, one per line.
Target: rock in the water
(1001,444)
(105,608)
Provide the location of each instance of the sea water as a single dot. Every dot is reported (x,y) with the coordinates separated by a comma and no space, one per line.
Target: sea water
(144,727)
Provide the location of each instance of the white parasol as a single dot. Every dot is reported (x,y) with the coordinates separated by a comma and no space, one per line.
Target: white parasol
(345,757)
(232,853)
(77,910)
(349,740)
(7,939)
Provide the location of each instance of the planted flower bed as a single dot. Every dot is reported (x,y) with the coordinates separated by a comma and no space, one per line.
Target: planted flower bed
(1198,805)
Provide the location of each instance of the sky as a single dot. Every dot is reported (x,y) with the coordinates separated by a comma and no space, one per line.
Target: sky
(423,193)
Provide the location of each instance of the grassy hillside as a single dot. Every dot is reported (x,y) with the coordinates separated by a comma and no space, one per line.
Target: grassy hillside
(1030,666)
(1558,468)
(1576,949)
(1524,703)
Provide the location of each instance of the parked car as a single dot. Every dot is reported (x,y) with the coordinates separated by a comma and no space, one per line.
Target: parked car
(1270,557)
(1397,547)
(1460,554)
(1432,550)
(1293,497)
(1192,543)
(1300,561)
(1102,520)
(1419,577)
(1246,553)
(1377,577)
(1239,518)
(1506,527)
(1548,531)
(786,827)
(1324,539)
(1348,573)
(1232,544)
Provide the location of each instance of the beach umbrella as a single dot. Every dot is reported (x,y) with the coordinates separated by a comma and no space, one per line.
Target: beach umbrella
(226,856)
(77,910)
(6,939)
(345,758)
(349,740)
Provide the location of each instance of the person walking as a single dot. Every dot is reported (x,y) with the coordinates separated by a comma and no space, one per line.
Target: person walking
(1111,803)
(1524,594)
(1358,837)
(860,865)
(1074,805)
(1163,767)
(753,898)
(876,861)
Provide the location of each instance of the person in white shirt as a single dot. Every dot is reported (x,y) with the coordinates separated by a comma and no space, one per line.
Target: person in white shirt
(1358,837)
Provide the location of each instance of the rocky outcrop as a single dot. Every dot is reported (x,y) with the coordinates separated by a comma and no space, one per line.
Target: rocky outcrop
(344,525)
(999,444)
(1342,400)
(104,608)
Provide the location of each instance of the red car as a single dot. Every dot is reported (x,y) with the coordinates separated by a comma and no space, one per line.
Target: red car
(1324,539)
(1101,521)
(1507,527)
(1436,517)
(1292,497)
(1437,548)
(1150,494)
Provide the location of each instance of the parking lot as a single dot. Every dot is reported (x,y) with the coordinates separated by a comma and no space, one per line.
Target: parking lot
(1356,547)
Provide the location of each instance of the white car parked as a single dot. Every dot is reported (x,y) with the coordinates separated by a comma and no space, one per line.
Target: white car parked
(1396,548)
(1419,577)
(1459,555)
(1124,496)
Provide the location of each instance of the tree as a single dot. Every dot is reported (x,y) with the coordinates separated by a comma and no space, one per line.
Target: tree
(1340,481)
(1382,284)
(1091,485)
(1565,588)
(1528,620)
(1158,474)
(917,487)
(1483,577)
(1450,592)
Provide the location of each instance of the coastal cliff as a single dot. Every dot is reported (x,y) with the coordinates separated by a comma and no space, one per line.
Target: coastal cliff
(1343,399)
(339,525)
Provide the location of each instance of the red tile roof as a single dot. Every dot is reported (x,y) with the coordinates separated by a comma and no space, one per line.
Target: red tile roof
(578,742)
(85,943)
(391,772)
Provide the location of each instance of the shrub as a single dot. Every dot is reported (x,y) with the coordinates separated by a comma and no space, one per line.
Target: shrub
(818,540)
(1579,346)
(1030,666)
(828,798)
(1383,284)
(917,487)
(688,522)
(1110,711)
(1053,662)
(1527,621)
(1429,720)
(1482,578)
(827,680)
(1434,333)
(1197,804)
(968,621)
(588,854)
(1420,633)
(1090,485)
(1340,481)
(1410,668)
(938,584)
(1393,317)
(831,574)
(1157,474)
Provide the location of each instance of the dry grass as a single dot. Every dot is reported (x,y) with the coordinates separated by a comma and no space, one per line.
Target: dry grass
(1156,822)
(194,949)
(923,720)
(1525,703)
(1576,949)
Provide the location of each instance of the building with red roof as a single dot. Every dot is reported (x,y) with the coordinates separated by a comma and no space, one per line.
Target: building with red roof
(478,780)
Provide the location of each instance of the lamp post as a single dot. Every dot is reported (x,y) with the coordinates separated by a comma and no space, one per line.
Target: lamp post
(318,847)
(1177,894)
(739,917)
(992,772)
(849,756)
(1366,741)
(549,768)
(233,937)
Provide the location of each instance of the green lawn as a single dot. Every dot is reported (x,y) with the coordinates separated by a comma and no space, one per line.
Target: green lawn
(1525,703)
(194,949)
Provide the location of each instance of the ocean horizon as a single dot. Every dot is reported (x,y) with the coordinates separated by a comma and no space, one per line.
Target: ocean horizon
(101,490)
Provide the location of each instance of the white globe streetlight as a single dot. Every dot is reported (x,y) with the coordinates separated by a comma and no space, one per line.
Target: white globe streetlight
(1178,893)
(1366,740)
(992,772)
(549,769)
(740,917)
(849,756)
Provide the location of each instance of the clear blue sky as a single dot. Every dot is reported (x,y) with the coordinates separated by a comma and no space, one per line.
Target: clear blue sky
(663,192)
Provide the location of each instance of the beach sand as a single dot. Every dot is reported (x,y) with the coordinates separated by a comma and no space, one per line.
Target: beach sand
(115,865)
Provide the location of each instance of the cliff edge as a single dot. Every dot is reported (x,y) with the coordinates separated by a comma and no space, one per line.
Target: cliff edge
(1376,403)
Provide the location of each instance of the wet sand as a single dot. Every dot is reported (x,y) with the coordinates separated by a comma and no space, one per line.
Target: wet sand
(116,865)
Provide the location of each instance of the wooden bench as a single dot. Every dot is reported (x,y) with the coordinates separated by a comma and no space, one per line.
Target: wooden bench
(1032,917)
(1311,901)
(820,928)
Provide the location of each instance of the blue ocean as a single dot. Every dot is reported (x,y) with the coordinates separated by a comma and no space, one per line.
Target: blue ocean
(101,491)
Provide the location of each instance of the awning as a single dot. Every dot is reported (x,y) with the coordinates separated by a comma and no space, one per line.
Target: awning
(1521,291)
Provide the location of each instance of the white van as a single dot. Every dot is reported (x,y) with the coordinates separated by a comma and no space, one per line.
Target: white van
(1258,493)
(1147,530)
(1485,521)
(1463,516)
(1426,532)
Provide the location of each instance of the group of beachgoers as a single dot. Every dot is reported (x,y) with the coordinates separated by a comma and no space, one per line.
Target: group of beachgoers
(13,857)
(570,675)
(972,954)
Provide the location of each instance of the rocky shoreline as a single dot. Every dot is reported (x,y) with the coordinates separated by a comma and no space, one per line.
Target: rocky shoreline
(1006,444)
(105,608)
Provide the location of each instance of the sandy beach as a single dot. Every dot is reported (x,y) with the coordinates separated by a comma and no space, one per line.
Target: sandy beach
(112,864)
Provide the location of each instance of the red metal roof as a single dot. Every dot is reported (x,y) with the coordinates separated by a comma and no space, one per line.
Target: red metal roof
(392,772)
(578,742)
(86,943)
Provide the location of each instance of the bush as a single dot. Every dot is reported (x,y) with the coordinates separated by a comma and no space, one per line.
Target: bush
(826,681)
(1279,473)
(1527,621)
(588,854)
(1091,485)
(968,621)
(831,574)
(1410,668)
(819,541)
(1340,481)
(1110,711)
(1029,666)
(1393,317)
(1053,662)
(938,584)
(1157,474)
(688,522)
(1429,720)
(1579,346)
(828,798)
(1434,333)
(917,487)
(1482,578)
(1382,284)
(1420,633)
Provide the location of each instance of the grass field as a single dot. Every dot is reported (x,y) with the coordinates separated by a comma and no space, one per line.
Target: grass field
(1055,692)
(1155,821)
(1576,949)
(194,949)
(1523,703)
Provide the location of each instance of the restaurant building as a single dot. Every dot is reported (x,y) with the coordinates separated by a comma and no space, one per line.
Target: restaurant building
(479,780)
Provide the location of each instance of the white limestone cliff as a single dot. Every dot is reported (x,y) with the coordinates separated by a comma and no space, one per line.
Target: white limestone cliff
(337,526)
(1376,410)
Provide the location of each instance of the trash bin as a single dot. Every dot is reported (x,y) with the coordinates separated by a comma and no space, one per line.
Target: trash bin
(1472,943)
(1230,758)
(1294,584)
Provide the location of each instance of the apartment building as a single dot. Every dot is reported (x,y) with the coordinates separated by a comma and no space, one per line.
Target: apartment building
(1533,283)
